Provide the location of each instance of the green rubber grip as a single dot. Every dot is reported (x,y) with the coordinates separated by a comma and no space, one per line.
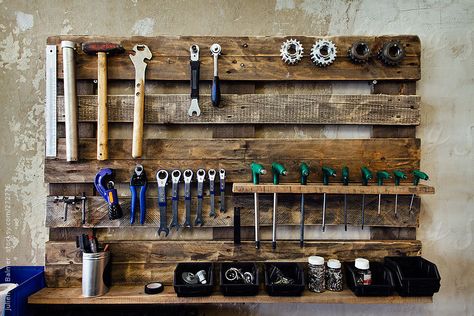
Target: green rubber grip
(328,172)
(417,175)
(366,175)
(304,172)
(278,170)
(345,175)
(382,175)
(398,175)
(257,170)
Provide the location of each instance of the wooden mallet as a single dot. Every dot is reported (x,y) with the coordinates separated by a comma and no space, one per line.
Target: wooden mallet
(102,49)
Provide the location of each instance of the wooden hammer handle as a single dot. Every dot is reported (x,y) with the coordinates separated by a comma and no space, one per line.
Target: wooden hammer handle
(138,114)
(102,128)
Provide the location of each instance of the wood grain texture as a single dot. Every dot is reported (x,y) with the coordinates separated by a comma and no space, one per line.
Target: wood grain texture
(287,213)
(245,58)
(375,109)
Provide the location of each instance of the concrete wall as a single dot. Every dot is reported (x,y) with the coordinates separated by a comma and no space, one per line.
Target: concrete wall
(447,130)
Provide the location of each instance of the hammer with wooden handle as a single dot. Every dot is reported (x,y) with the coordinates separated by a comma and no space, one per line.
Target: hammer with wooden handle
(142,52)
(102,49)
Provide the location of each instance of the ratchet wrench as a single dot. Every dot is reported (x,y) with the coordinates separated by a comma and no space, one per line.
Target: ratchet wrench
(188,176)
(216,86)
(175,176)
(212,175)
(162,178)
(194,107)
(222,189)
(200,175)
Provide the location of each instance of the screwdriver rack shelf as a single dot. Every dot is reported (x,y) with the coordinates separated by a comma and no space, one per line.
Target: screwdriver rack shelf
(271,112)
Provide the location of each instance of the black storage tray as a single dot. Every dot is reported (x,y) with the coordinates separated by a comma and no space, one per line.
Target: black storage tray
(183,289)
(414,276)
(289,269)
(230,288)
(382,280)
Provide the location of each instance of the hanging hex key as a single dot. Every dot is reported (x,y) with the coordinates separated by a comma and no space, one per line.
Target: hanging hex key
(327,172)
(398,175)
(345,181)
(381,175)
(277,170)
(257,170)
(417,175)
(304,172)
(366,176)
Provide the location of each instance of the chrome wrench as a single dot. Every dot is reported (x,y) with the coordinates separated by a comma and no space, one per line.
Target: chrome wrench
(188,176)
(216,86)
(200,175)
(162,178)
(194,107)
(175,176)
(222,188)
(212,176)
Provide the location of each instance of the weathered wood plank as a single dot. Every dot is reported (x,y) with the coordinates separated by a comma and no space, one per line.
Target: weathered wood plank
(375,109)
(386,233)
(287,213)
(244,58)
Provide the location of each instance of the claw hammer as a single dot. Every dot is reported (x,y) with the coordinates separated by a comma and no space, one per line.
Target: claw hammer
(102,49)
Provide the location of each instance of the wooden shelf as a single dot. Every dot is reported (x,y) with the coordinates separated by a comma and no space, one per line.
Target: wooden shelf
(131,295)
(331,188)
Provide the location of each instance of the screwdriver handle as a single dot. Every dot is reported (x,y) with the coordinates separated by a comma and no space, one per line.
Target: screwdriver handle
(366,175)
(417,175)
(381,175)
(216,92)
(304,171)
(328,171)
(399,175)
(345,175)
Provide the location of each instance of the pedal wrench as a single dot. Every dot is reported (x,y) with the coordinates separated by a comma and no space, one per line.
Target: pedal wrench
(188,176)
(222,189)
(195,65)
(175,176)
(212,176)
(162,178)
(200,175)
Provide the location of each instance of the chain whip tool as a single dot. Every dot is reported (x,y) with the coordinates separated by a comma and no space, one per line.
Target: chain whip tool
(277,170)
(417,175)
(212,176)
(366,176)
(187,176)
(216,85)
(304,172)
(327,172)
(200,175)
(398,175)
(222,189)
(345,181)
(195,65)
(257,170)
(142,52)
(162,178)
(175,176)
(70,100)
(381,175)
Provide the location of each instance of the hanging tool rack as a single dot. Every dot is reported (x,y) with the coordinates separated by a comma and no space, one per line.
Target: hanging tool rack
(263,101)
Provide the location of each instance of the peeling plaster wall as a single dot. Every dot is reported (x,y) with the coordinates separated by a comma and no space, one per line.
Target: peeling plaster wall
(447,130)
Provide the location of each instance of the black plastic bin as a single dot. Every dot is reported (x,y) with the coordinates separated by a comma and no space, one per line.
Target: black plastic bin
(232,288)
(414,276)
(382,280)
(183,289)
(290,270)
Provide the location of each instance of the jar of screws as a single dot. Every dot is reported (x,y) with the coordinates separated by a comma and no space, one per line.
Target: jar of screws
(334,275)
(316,274)
(363,274)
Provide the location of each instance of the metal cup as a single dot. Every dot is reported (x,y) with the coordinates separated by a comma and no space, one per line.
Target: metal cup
(95,273)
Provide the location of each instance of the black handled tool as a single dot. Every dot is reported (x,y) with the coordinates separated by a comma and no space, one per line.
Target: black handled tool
(188,176)
(138,186)
(216,86)
(162,178)
(175,176)
(200,175)
(194,107)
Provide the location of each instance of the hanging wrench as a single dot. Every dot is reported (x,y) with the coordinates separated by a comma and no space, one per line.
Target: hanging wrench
(194,107)
(200,175)
(212,175)
(142,52)
(162,178)
(175,176)
(216,86)
(188,176)
(222,188)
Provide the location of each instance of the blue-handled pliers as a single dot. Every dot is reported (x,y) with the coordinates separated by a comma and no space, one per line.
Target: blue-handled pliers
(138,185)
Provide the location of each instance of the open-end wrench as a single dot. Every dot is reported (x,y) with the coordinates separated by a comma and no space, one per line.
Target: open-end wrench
(200,175)
(222,188)
(216,86)
(188,176)
(142,52)
(212,176)
(175,176)
(194,107)
(162,178)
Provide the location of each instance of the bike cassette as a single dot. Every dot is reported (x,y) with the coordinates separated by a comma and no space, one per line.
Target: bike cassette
(291,51)
(323,53)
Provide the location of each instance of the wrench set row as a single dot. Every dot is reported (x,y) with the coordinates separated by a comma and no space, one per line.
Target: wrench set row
(138,186)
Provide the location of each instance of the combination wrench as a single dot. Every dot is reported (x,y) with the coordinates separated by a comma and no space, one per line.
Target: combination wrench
(200,175)
(188,176)
(216,86)
(222,189)
(212,176)
(194,107)
(162,178)
(175,176)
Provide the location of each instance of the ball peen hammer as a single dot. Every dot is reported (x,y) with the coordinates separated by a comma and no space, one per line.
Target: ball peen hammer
(102,49)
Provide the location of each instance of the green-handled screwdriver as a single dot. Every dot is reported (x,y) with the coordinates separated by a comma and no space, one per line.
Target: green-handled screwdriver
(257,170)
(366,176)
(327,172)
(277,170)
(417,175)
(304,172)
(381,175)
(398,175)
(345,181)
